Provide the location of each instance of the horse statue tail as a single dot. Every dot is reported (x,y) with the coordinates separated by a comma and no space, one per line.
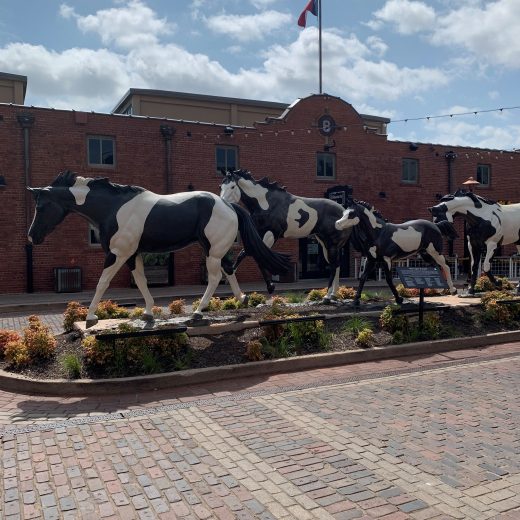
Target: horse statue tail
(275,263)
(447,229)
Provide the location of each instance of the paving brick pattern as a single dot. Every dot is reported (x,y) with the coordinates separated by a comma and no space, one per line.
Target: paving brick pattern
(427,444)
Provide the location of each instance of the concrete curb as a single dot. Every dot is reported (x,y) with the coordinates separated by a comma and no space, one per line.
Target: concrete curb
(93,387)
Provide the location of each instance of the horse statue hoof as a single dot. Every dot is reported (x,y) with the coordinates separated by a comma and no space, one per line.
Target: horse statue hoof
(148,318)
(399,300)
(271,287)
(357,302)
(454,291)
(245,301)
(91,322)
(197,316)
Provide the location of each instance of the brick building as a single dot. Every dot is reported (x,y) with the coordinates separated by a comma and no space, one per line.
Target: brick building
(314,146)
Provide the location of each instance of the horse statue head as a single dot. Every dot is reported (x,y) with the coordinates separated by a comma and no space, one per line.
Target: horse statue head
(229,189)
(459,202)
(53,204)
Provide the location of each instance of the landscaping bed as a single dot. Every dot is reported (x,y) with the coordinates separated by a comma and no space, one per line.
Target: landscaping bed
(344,329)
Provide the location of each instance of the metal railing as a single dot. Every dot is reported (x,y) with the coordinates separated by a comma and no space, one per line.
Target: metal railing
(359,264)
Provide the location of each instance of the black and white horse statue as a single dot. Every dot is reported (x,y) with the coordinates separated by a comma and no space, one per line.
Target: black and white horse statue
(279,214)
(132,220)
(489,225)
(382,241)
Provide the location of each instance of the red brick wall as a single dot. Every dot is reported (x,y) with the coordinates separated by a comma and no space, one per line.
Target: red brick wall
(283,150)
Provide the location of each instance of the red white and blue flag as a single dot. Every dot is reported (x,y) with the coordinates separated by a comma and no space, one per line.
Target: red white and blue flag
(311,7)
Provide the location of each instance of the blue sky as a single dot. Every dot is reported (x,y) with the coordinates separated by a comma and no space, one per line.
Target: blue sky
(400,59)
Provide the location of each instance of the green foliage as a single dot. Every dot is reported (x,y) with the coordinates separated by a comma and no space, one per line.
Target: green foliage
(72,365)
(138,355)
(406,292)
(16,353)
(215,304)
(497,312)
(392,322)
(316,295)
(137,313)
(230,303)
(295,297)
(151,259)
(157,312)
(483,284)
(356,324)
(255,299)
(308,333)
(365,338)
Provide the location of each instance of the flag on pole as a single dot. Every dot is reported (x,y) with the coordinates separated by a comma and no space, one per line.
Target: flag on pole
(312,7)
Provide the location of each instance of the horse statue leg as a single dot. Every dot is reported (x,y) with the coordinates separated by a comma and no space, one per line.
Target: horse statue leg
(137,267)
(474,252)
(332,257)
(491,247)
(369,267)
(213,265)
(387,269)
(441,262)
(112,265)
(228,271)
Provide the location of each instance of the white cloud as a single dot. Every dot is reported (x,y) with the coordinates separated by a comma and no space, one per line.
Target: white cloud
(262,4)
(490,32)
(408,16)
(248,27)
(377,45)
(129,26)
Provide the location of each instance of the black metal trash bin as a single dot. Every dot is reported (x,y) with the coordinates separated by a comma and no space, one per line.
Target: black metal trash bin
(67,279)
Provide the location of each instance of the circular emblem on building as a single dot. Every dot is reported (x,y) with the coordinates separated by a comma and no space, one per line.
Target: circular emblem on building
(326,125)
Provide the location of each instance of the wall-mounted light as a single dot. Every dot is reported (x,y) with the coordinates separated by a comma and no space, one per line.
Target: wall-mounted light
(382,194)
(229,130)
(2,182)
(438,196)
(413,147)
(191,187)
(328,146)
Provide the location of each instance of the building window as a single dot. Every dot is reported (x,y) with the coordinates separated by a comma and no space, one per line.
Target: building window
(93,236)
(484,174)
(326,166)
(226,158)
(101,151)
(410,173)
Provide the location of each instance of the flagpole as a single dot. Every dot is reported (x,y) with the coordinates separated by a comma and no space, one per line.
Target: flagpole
(319,31)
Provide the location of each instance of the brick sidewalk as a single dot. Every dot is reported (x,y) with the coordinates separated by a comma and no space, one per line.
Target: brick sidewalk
(419,438)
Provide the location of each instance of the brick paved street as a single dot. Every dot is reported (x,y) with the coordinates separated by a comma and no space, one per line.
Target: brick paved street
(420,438)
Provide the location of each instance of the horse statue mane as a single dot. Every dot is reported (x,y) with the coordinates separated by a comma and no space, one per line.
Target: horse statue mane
(370,208)
(477,199)
(264,181)
(68,178)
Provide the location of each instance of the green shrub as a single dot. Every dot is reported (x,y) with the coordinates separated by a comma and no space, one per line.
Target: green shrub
(405,292)
(392,322)
(255,299)
(365,338)
(484,284)
(308,333)
(97,353)
(494,311)
(72,365)
(356,324)
(316,295)
(215,304)
(230,303)
(108,310)
(278,301)
(157,312)
(137,313)
(295,297)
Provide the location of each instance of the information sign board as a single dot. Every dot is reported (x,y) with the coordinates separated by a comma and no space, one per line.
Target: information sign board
(422,278)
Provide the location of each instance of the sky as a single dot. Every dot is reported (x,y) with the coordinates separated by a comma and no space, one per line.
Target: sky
(419,63)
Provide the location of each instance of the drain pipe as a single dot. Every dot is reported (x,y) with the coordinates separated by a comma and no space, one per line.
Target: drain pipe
(450,157)
(167,133)
(26,121)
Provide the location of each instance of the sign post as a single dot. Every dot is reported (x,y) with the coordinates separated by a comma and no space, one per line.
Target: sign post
(421,278)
